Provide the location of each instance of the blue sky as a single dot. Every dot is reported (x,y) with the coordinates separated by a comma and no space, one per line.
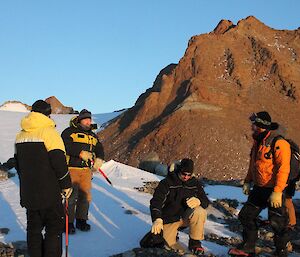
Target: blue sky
(101,55)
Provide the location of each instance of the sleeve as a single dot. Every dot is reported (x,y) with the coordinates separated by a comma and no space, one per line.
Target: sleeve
(71,148)
(249,176)
(282,158)
(59,164)
(202,196)
(99,151)
(159,198)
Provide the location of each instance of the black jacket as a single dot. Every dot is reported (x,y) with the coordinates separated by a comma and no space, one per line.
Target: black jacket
(40,163)
(77,139)
(169,199)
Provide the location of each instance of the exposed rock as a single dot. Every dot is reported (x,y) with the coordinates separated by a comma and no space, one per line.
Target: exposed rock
(57,107)
(223,26)
(6,250)
(4,231)
(199,108)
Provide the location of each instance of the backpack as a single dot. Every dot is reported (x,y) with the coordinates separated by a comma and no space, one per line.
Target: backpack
(295,157)
(153,241)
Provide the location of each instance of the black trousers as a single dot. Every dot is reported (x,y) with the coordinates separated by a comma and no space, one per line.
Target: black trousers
(48,244)
(257,201)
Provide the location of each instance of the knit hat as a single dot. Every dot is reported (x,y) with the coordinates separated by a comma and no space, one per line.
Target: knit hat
(263,120)
(84,114)
(42,107)
(186,165)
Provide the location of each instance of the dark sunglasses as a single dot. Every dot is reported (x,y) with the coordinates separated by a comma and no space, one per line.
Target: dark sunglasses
(186,174)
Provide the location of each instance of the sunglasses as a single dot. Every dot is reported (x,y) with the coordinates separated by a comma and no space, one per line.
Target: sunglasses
(186,174)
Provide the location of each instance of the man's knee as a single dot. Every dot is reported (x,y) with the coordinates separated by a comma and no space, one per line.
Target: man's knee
(248,215)
(199,213)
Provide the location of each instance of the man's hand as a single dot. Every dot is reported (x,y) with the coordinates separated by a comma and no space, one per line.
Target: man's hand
(246,188)
(86,156)
(66,193)
(157,226)
(98,163)
(193,202)
(276,199)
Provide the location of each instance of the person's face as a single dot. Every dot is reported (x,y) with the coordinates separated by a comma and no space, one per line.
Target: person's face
(86,122)
(256,130)
(185,176)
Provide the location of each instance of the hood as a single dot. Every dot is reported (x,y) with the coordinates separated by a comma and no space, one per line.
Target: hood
(36,120)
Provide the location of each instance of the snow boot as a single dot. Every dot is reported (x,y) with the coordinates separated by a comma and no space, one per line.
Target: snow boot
(195,247)
(82,225)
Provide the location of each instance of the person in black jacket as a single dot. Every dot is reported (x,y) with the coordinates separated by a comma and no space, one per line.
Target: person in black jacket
(43,173)
(179,201)
(84,151)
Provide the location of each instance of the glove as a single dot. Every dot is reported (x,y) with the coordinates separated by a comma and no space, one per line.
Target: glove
(98,163)
(193,202)
(157,226)
(66,193)
(246,188)
(276,199)
(86,156)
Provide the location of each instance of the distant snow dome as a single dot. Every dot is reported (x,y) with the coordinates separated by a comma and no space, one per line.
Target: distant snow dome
(14,107)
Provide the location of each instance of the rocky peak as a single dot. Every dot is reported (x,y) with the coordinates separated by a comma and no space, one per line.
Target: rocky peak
(57,107)
(223,26)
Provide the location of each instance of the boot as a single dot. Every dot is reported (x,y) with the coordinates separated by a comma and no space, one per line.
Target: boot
(82,225)
(195,247)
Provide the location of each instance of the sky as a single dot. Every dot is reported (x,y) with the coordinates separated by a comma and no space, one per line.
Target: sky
(101,55)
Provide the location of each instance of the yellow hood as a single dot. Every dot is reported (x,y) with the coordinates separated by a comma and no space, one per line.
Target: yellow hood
(36,120)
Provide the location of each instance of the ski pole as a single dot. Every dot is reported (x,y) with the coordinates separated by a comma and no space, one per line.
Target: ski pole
(67,225)
(102,173)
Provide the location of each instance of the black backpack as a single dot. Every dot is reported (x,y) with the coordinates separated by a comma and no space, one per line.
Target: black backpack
(152,241)
(295,157)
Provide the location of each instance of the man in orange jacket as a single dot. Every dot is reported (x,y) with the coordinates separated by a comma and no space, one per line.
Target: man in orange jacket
(268,173)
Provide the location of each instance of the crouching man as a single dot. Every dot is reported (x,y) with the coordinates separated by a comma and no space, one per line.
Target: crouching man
(180,201)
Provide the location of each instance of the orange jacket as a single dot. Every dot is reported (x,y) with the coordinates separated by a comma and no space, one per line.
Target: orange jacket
(266,170)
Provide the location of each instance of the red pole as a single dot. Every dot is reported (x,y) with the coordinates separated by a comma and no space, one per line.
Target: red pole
(104,175)
(67,226)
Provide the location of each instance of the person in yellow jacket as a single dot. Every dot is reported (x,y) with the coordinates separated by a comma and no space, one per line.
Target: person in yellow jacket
(268,173)
(44,178)
(84,150)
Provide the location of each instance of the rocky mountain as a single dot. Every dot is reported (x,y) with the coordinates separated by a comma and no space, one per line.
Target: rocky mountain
(200,106)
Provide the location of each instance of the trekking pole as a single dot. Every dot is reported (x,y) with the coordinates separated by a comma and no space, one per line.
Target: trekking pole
(103,174)
(67,225)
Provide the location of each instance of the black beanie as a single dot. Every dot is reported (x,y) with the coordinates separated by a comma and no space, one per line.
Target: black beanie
(84,114)
(186,165)
(42,107)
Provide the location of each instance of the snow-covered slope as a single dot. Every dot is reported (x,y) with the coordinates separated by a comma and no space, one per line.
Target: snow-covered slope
(13,107)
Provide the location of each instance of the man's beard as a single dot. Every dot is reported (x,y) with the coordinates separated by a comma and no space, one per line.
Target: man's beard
(85,128)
